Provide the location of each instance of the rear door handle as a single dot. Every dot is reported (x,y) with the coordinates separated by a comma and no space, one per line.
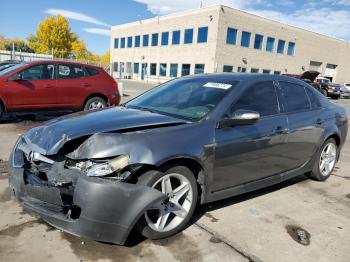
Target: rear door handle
(49,86)
(85,84)
(319,121)
(280,130)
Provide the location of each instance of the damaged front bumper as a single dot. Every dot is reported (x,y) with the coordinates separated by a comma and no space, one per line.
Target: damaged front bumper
(97,208)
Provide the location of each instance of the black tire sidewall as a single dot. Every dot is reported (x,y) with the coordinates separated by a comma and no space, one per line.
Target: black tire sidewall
(316,173)
(148,179)
(93,99)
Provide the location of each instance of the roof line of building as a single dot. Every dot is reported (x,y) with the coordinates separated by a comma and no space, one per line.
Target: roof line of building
(189,11)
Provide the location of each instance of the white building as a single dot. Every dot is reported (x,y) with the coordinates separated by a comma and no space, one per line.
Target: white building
(222,39)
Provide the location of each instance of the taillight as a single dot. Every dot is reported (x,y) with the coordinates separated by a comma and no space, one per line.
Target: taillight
(115,85)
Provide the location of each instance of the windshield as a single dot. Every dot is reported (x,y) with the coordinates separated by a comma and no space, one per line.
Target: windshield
(12,68)
(189,98)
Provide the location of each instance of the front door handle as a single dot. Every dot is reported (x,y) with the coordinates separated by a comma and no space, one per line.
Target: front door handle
(85,84)
(49,86)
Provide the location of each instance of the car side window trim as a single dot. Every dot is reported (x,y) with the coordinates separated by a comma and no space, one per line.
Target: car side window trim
(227,112)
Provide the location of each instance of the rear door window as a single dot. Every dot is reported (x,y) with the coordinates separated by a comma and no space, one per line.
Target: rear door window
(260,97)
(91,71)
(315,102)
(70,71)
(294,96)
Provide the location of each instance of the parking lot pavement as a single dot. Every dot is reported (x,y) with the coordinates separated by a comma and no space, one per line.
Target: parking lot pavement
(298,220)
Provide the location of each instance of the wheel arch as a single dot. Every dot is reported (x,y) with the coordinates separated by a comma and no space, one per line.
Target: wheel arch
(2,104)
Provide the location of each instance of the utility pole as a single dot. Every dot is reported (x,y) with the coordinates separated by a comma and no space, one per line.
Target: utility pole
(13,52)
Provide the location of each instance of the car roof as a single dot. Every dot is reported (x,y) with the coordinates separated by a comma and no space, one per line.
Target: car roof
(244,77)
(60,61)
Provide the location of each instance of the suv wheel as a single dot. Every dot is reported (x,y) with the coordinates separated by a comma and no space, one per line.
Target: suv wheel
(325,162)
(95,103)
(171,216)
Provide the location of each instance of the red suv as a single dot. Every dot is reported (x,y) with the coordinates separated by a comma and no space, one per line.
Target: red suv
(56,85)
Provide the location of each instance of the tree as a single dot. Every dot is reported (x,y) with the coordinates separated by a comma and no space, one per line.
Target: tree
(106,57)
(10,43)
(79,51)
(54,34)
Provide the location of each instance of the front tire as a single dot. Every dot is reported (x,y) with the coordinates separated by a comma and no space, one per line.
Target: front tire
(179,184)
(95,103)
(326,160)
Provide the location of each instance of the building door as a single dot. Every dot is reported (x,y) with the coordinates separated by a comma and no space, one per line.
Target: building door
(143,71)
(121,70)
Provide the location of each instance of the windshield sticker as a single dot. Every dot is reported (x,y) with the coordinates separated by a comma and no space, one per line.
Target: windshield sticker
(218,85)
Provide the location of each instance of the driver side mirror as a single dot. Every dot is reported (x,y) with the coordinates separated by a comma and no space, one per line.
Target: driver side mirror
(240,117)
(16,77)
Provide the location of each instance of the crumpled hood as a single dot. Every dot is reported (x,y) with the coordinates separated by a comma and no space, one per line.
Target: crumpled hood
(48,138)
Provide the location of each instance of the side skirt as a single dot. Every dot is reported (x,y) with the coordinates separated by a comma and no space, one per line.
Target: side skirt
(258,184)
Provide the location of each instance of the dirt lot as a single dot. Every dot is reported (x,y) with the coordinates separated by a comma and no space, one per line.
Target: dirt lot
(259,226)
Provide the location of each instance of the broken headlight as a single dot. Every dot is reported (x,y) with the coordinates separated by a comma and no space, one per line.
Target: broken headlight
(102,168)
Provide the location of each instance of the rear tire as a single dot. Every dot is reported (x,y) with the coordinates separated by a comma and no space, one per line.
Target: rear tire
(173,215)
(325,161)
(95,103)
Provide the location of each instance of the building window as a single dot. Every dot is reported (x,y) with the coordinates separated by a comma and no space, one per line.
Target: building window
(137,41)
(241,69)
(145,39)
(254,70)
(129,41)
(176,37)
(291,48)
(115,66)
(270,44)
(258,41)
(116,42)
(231,37)
(202,34)
(199,69)
(155,39)
(153,69)
(266,71)
(136,68)
(173,70)
(227,69)
(165,38)
(245,41)
(188,36)
(277,72)
(185,70)
(122,42)
(162,69)
(280,46)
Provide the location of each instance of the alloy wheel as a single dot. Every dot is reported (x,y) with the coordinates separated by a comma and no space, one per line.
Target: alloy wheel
(96,105)
(328,159)
(170,213)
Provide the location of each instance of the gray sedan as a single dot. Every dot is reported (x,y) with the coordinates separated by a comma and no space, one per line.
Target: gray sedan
(194,140)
